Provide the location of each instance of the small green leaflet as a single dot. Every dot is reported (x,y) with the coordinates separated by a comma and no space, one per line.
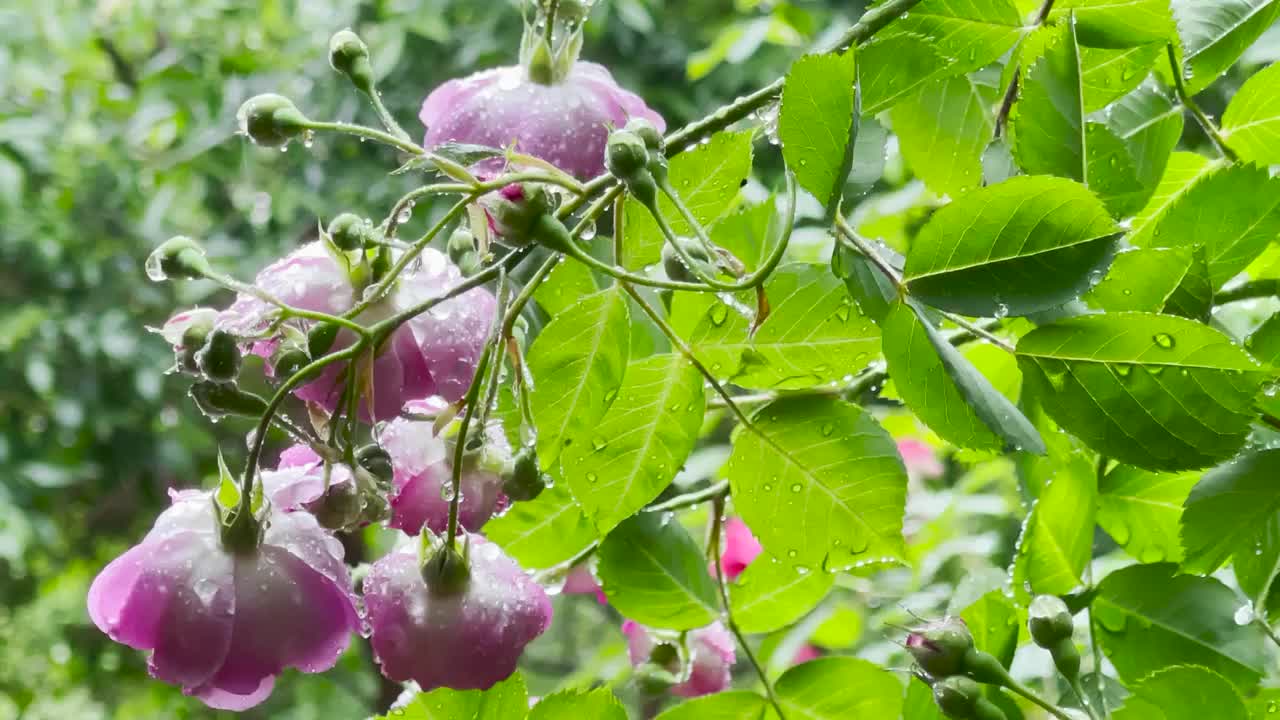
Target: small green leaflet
(1057,537)
(508,700)
(1047,125)
(771,594)
(1183,692)
(1117,24)
(839,688)
(973,33)
(1142,511)
(568,283)
(543,532)
(730,705)
(946,154)
(631,454)
(946,391)
(814,334)
(655,574)
(1229,509)
(817,123)
(1141,279)
(1149,617)
(1037,241)
(599,704)
(1110,73)
(821,483)
(1251,123)
(1156,391)
(578,360)
(893,67)
(708,178)
(1181,174)
(1233,211)
(1214,34)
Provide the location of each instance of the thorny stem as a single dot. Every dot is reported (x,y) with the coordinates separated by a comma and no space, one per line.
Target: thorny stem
(1011,92)
(1205,123)
(717,523)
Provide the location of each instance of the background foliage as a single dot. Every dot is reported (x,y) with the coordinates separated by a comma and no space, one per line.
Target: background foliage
(116,132)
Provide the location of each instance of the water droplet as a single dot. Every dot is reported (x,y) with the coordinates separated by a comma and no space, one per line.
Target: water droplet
(792,553)
(589,232)
(842,313)
(796,487)
(405,214)
(1164,340)
(1002,311)
(593,478)
(599,442)
(1244,615)
(308,138)
(446,492)
(718,313)
(827,429)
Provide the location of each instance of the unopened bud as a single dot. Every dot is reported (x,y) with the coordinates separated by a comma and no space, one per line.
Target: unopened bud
(219,359)
(377,462)
(524,481)
(350,231)
(339,507)
(648,134)
(675,266)
(289,361)
(217,400)
(1049,620)
(956,696)
(320,338)
(625,155)
(178,257)
(940,647)
(463,252)
(350,56)
(271,120)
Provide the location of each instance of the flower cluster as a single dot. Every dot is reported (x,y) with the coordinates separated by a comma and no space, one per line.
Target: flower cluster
(384,344)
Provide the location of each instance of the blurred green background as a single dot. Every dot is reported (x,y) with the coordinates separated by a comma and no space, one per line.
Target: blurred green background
(117,131)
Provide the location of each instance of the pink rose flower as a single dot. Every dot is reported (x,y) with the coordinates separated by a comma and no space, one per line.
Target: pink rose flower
(423,468)
(566,124)
(467,641)
(740,549)
(920,459)
(806,653)
(711,657)
(222,625)
(580,581)
(297,483)
(434,353)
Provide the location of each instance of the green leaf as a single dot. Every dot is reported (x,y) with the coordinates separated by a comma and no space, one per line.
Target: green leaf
(1251,124)
(1047,126)
(1150,618)
(542,532)
(1141,280)
(1019,247)
(630,455)
(599,704)
(890,68)
(1142,510)
(838,688)
(1228,509)
(507,700)
(1150,126)
(1214,34)
(1110,73)
(946,391)
(730,705)
(1264,343)
(655,574)
(771,594)
(1111,173)
(708,178)
(568,283)
(1183,692)
(1156,391)
(1257,569)
(943,129)
(993,621)
(747,231)
(1193,298)
(919,704)
(1183,171)
(821,483)
(578,360)
(1057,538)
(816,122)
(1117,23)
(814,334)
(1234,212)
(974,33)
(871,290)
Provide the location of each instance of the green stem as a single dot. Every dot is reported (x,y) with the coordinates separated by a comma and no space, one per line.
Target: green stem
(385,117)
(1205,123)
(460,449)
(368,133)
(871,22)
(1261,621)
(526,293)
(690,499)
(981,332)
(235,285)
(548,32)
(509,262)
(1078,690)
(1020,689)
(377,292)
(1269,287)
(870,253)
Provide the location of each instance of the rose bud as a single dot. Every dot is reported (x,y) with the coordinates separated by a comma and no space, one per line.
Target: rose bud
(711,657)
(271,120)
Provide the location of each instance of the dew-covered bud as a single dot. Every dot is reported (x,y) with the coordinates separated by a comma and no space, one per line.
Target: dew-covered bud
(625,155)
(339,507)
(177,257)
(463,252)
(350,231)
(447,571)
(350,56)
(516,209)
(957,696)
(675,266)
(648,133)
(289,361)
(940,647)
(219,359)
(376,461)
(320,338)
(1049,620)
(271,120)
(218,400)
(524,481)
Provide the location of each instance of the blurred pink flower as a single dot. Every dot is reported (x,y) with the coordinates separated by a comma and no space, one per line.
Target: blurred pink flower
(711,651)
(581,581)
(920,459)
(740,548)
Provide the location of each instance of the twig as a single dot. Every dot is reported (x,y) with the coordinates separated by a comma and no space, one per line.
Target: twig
(1205,123)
